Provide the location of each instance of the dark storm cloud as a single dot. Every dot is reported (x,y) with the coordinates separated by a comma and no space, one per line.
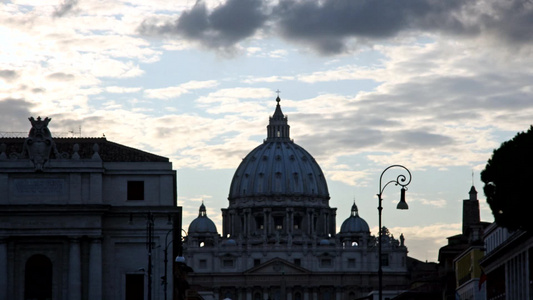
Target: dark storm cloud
(8,75)
(421,139)
(66,7)
(223,27)
(329,26)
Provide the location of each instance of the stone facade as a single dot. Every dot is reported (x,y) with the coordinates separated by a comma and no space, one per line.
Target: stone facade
(80,216)
(279,238)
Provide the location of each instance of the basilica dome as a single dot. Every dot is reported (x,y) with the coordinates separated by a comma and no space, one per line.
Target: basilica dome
(202,224)
(354,224)
(278,167)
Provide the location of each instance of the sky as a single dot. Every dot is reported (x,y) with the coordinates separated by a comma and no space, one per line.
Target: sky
(432,85)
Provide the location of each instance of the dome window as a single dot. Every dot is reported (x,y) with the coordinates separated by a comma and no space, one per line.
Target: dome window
(278,223)
(259,222)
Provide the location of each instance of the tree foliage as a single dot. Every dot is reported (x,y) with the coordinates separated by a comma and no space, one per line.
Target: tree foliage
(508,178)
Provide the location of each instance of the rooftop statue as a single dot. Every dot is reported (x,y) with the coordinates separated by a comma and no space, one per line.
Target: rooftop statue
(39,143)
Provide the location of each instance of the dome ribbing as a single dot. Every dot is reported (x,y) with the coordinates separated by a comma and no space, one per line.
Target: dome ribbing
(278,167)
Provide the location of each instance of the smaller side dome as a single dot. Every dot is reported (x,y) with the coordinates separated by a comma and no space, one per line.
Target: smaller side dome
(354,224)
(202,224)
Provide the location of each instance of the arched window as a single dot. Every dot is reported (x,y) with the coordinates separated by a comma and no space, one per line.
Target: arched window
(38,278)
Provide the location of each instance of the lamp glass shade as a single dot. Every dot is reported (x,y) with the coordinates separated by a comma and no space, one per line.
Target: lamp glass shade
(402,204)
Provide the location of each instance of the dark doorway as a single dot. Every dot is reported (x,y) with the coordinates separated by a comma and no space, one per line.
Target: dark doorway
(38,278)
(134,286)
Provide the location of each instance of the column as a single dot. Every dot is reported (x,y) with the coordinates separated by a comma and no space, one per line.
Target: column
(95,269)
(74,279)
(248,293)
(338,293)
(306,294)
(232,224)
(266,296)
(245,224)
(264,223)
(291,222)
(326,224)
(3,269)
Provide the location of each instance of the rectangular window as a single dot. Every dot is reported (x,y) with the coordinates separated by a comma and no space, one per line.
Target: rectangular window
(257,262)
(134,286)
(297,222)
(135,190)
(385,260)
(202,264)
(325,262)
(278,223)
(351,262)
(297,262)
(227,263)
(259,222)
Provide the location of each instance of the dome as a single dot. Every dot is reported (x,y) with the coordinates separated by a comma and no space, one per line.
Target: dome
(278,167)
(354,224)
(202,224)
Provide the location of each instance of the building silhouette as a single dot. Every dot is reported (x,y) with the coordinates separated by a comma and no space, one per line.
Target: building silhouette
(279,239)
(84,218)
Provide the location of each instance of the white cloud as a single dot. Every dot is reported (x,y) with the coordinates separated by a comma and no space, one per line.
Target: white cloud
(176,91)
(122,90)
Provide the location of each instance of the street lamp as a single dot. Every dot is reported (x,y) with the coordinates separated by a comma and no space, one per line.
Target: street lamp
(403,181)
(150,246)
(165,261)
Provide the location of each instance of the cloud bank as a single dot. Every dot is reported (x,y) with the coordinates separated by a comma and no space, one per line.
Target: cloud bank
(337,26)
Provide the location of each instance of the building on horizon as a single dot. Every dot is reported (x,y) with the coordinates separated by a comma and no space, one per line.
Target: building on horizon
(508,263)
(459,260)
(85,218)
(279,239)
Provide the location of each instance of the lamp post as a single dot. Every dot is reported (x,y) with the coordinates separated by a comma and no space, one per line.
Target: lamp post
(150,245)
(402,180)
(165,277)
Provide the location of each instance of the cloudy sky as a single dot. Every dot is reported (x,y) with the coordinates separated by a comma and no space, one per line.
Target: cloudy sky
(433,85)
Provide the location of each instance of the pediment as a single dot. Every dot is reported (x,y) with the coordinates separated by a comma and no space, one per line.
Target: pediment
(277,266)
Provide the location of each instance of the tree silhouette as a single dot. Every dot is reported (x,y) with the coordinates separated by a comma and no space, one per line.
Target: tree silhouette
(508,178)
